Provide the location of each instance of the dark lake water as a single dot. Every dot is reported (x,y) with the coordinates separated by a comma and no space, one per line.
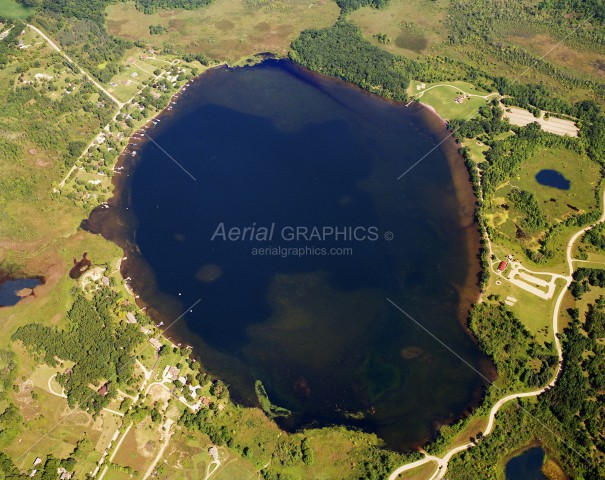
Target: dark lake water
(527,466)
(275,146)
(553,178)
(9,289)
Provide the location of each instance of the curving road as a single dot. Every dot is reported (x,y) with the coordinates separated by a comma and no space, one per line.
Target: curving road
(441,463)
(485,97)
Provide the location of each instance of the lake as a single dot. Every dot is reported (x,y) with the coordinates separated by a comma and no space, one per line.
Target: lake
(527,466)
(553,178)
(272,194)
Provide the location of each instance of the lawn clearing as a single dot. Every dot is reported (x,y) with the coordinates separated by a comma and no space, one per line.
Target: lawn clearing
(452,100)
(12,10)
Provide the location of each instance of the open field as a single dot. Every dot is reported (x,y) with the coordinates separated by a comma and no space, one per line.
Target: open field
(559,126)
(11,9)
(583,173)
(535,313)
(556,205)
(226,29)
(452,100)
(413,27)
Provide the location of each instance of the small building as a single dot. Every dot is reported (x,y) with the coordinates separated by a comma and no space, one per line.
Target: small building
(173,373)
(130,318)
(213,451)
(103,391)
(205,401)
(502,266)
(63,474)
(37,461)
(155,343)
(105,281)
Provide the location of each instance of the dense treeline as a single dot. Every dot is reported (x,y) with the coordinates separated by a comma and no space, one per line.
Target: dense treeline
(514,350)
(7,45)
(584,278)
(489,120)
(152,6)
(525,201)
(341,51)
(596,236)
(348,5)
(578,400)
(100,348)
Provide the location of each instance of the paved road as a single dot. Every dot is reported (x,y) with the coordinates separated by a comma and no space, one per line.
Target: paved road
(442,462)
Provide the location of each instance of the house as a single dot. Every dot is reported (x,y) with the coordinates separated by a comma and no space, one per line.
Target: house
(173,373)
(37,461)
(155,343)
(502,266)
(130,318)
(63,474)
(213,451)
(103,391)
(205,401)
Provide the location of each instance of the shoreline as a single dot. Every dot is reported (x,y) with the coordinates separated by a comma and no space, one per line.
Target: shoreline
(113,220)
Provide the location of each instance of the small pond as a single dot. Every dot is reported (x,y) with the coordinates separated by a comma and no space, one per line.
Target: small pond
(553,178)
(527,466)
(11,291)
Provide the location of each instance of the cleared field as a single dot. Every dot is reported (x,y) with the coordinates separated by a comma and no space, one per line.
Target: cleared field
(534,312)
(226,29)
(134,455)
(413,26)
(521,117)
(12,9)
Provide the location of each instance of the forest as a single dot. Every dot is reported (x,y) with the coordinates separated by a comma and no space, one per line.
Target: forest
(514,350)
(341,51)
(99,346)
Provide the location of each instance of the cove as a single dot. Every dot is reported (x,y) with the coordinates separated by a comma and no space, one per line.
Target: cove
(276,147)
(553,178)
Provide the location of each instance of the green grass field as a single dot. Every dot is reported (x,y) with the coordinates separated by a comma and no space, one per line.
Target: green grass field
(556,204)
(11,9)
(583,173)
(442,97)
